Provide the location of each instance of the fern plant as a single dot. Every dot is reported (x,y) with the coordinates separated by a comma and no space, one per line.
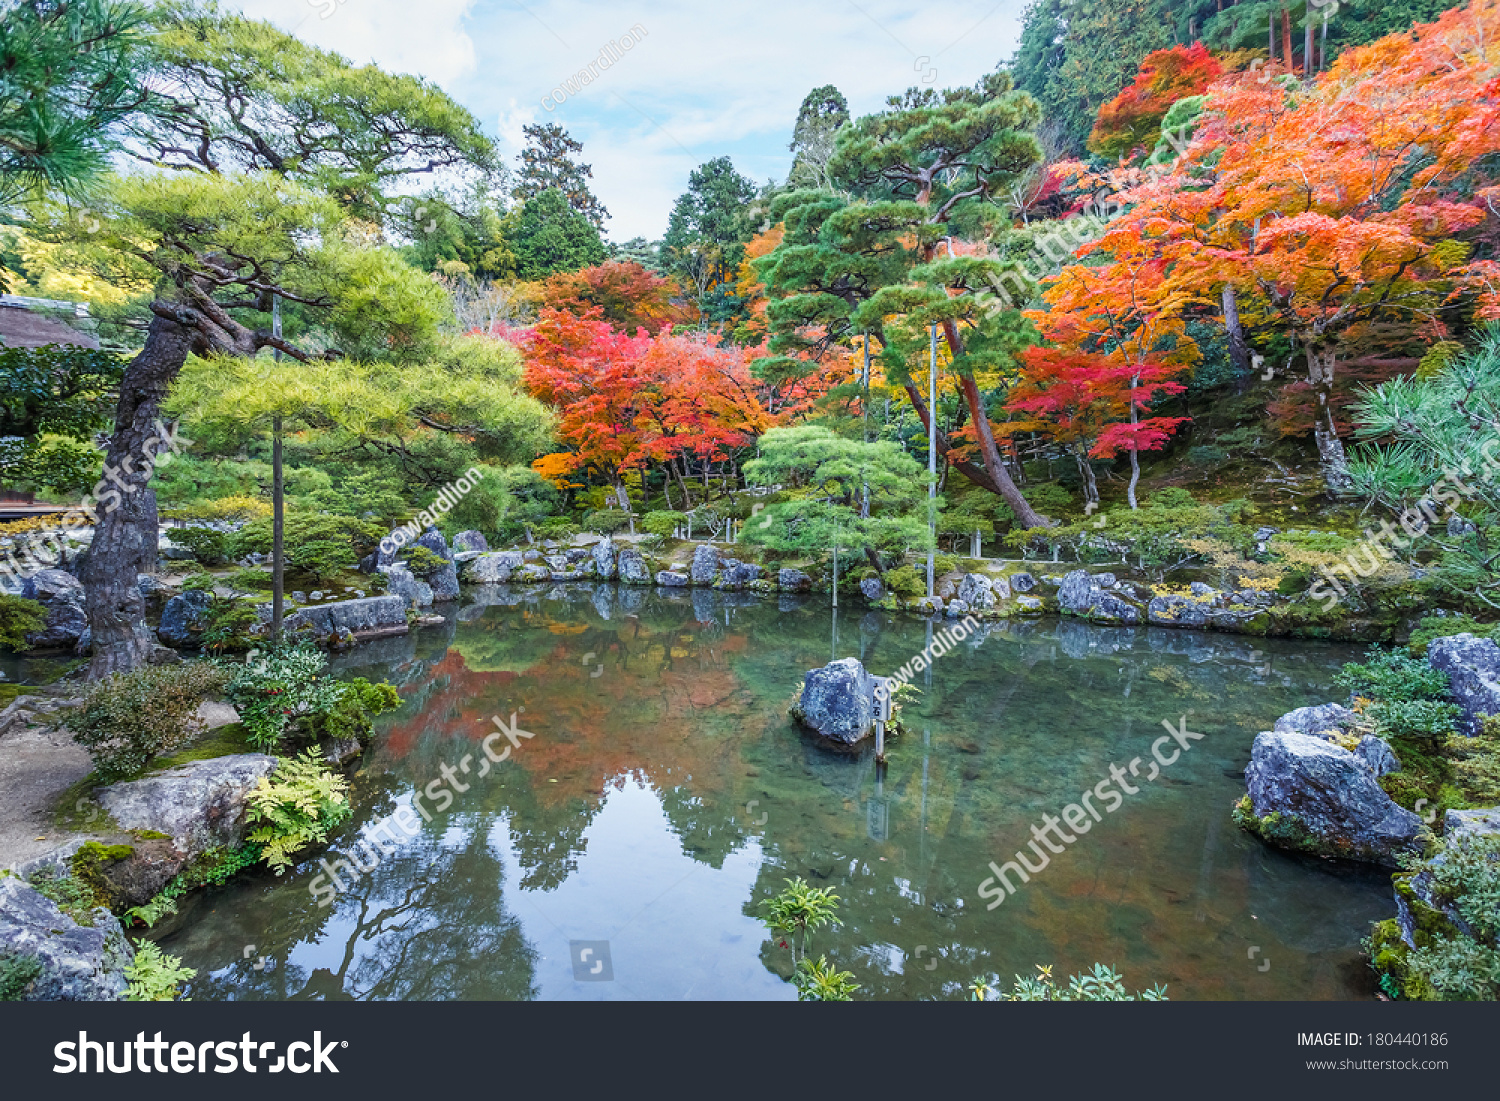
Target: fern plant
(297,806)
(155,976)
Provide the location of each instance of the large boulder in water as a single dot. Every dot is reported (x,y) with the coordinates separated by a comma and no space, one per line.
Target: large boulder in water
(1089,596)
(494,568)
(185,618)
(633,569)
(78,963)
(705,564)
(793,581)
(838,701)
(1473,668)
(603,555)
(200,805)
(1309,794)
(401,582)
(370,617)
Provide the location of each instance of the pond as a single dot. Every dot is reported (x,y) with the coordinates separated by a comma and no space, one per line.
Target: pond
(622,849)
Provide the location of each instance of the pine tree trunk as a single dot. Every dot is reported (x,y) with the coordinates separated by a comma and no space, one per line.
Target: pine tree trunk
(126,536)
(1026,516)
(1286,38)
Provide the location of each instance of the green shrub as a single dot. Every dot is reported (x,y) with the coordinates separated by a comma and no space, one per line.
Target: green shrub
(273,692)
(126,721)
(662,523)
(325,560)
(250,580)
(155,976)
(358,537)
(819,981)
(422,561)
(1393,677)
(943,564)
(285,695)
(907,582)
(1466,965)
(606,521)
(1429,719)
(229,623)
(18,618)
(557,529)
(1102,984)
(353,716)
(1435,627)
(17,972)
(296,806)
(208,545)
(199,580)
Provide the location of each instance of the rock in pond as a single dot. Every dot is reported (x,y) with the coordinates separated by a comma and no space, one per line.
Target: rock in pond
(371,617)
(493,568)
(1326,800)
(838,702)
(633,569)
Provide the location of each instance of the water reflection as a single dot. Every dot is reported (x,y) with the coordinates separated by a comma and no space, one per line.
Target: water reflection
(665,794)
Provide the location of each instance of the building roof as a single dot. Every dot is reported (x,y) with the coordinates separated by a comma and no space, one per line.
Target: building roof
(23,326)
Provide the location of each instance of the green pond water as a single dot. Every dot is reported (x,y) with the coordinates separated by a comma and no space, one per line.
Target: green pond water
(622,851)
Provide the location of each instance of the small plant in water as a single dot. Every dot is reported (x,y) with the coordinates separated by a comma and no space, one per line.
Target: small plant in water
(1102,984)
(790,915)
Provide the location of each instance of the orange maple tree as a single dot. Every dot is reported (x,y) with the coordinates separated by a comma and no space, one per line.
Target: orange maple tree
(1132,120)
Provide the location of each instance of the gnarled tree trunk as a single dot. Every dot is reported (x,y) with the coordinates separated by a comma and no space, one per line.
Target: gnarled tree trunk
(125,537)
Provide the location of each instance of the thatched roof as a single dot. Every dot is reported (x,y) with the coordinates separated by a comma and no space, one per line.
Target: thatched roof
(22,326)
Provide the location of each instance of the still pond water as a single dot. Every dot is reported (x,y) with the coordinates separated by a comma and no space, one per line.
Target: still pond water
(665,794)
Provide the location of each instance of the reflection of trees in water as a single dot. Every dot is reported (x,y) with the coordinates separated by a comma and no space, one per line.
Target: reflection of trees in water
(427,924)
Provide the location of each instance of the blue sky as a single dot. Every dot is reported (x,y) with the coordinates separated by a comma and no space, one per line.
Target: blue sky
(701,82)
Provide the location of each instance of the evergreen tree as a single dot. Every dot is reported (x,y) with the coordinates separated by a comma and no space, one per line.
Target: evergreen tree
(550,236)
(706,236)
(823,112)
(547,164)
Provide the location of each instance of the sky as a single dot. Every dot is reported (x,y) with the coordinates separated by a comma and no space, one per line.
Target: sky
(700,80)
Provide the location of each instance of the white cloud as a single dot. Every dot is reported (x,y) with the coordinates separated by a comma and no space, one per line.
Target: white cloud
(423,39)
(702,82)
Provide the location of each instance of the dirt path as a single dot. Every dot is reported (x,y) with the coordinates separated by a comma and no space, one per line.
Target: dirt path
(35,768)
